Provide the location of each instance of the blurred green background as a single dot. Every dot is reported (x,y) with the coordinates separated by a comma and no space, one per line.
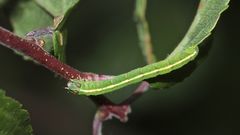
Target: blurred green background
(102,38)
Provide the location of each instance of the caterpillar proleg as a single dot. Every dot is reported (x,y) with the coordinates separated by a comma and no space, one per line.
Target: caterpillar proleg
(204,22)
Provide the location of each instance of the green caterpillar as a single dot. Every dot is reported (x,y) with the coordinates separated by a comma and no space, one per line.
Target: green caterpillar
(205,20)
(134,76)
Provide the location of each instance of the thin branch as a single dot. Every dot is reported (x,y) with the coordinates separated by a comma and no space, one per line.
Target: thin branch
(143,31)
(121,111)
(146,46)
(42,57)
(141,89)
(106,110)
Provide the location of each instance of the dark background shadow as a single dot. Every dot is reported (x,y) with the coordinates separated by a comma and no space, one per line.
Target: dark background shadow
(102,39)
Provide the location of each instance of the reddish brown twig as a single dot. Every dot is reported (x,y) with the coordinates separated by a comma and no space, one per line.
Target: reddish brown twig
(42,57)
(107,109)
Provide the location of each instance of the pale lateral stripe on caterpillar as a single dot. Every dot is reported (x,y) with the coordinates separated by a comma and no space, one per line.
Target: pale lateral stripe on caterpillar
(101,87)
(205,20)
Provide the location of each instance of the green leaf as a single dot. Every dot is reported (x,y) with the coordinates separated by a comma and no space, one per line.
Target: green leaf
(28,16)
(174,77)
(208,14)
(13,119)
(205,20)
(57,7)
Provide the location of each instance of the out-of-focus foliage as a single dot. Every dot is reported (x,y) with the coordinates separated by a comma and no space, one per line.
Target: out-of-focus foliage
(29,15)
(2,2)
(57,7)
(13,119)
